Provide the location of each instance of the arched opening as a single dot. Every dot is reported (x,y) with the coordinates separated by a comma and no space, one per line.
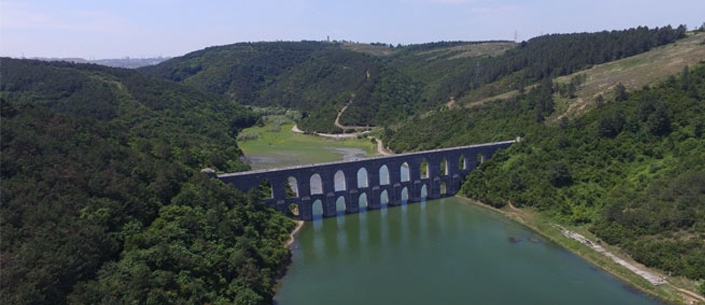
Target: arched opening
(423,170)
(292,188)
(265,190)
(444,190)
(444,167)
(340,206)
(480,158)
(294,209)
(424,192)
(362,178)
(339,180)
(362,202)
(404,195)
(384,175)
(317,209)
(316,184)
(462,163)
(404,172)
(384,198)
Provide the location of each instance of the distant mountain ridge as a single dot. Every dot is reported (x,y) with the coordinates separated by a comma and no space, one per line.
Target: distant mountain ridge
(126,62)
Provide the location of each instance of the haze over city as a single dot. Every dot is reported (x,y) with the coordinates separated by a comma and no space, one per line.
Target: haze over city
(116,29)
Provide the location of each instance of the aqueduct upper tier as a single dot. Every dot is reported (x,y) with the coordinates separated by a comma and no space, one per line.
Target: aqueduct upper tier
(349,186)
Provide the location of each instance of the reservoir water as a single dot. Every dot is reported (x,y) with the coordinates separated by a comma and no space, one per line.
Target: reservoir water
(444,251)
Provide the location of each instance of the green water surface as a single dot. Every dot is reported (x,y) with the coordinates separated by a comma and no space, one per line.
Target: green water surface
(439,252)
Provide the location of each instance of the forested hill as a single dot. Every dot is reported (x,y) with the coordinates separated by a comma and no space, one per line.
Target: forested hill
(102,199)
(384,84)
(632,170)
(315,77)
(166,119)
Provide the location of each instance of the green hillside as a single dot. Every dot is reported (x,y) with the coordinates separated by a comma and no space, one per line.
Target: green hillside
(632,72)
(102,199)
(631,170)
(383,85)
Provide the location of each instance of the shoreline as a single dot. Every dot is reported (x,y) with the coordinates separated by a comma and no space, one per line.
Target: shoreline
(284,268)
(610,267)
(299,225)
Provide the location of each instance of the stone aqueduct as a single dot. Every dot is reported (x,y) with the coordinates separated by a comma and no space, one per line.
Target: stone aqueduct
(367,183)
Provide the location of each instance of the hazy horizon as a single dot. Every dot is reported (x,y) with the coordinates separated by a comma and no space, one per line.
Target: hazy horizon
(95,30)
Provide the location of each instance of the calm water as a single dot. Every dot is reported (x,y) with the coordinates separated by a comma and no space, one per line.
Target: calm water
(439,252)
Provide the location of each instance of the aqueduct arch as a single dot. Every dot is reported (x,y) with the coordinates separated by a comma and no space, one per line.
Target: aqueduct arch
(331,186)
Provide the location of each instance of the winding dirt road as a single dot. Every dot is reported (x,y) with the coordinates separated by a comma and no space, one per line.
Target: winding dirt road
(340,113)
(380,146)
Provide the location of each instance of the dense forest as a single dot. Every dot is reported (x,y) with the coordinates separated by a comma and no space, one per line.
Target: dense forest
(103,201)
(631,171)
(102,197)
(320,78)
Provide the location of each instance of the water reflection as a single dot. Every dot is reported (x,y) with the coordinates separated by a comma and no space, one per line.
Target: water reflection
(437,253)
(317,243)
(342,236)
(363,233)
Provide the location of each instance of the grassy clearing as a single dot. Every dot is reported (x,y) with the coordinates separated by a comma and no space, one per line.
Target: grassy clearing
(546,227)
(374,50)
(633,72)
(471,50)
(268,147)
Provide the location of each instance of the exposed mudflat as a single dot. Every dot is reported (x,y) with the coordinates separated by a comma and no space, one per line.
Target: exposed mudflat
(284,159)
(349,154)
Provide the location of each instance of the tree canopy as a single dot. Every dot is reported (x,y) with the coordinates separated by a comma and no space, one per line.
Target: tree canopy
(102,197)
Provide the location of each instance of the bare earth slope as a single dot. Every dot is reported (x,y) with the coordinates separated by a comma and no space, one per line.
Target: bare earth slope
(633,72)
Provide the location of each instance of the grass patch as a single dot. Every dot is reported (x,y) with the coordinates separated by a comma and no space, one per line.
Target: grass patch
(633,72)
(269,147)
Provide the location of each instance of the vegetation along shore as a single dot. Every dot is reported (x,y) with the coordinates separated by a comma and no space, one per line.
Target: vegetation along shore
(104,202)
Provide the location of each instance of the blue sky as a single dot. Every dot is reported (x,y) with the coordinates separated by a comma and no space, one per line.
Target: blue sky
(95,29)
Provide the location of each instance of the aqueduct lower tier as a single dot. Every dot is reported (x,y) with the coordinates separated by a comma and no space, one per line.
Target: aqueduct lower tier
(366,183)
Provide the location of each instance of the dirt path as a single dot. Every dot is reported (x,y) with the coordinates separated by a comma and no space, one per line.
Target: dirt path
(654,279)
(690,294)
(380,146)
(340,113)
(381,150)
(331,135)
